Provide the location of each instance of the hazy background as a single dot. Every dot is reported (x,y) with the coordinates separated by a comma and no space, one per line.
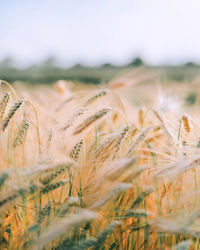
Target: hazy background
(92,32)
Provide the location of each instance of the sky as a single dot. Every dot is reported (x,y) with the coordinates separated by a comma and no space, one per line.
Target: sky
(99,31)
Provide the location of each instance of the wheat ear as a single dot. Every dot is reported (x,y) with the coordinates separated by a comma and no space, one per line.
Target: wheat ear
(186,123)
(18,140)
(3,105)
(91,120)
(95,97)
(10,114)
(70,122)
(76,150)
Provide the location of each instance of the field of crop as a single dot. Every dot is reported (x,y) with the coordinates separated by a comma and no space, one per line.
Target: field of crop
(113,166)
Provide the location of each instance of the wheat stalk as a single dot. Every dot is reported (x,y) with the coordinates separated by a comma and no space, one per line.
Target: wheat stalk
(119,167)
(119,188)
(54,173)
(120,139)
(49,139)
(141,117)
(65,225)
(36,170)
(9,199)
(140,138)
(50,187)
(103,235)
(3,178)
(111,146)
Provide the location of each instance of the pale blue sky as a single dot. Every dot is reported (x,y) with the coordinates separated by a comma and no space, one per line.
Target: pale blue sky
(96,31)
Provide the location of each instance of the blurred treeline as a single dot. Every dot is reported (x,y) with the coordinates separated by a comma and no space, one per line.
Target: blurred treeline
(48,71)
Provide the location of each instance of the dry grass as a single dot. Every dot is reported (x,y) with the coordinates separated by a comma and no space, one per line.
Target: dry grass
(95,169)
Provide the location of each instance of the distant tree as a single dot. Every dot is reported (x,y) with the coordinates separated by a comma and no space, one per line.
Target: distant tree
(50,62)
(78,66)
(7,62)
(136,62)
(106,65)
(190,64)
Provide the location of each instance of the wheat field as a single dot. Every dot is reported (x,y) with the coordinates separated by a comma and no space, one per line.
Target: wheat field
(113,166)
